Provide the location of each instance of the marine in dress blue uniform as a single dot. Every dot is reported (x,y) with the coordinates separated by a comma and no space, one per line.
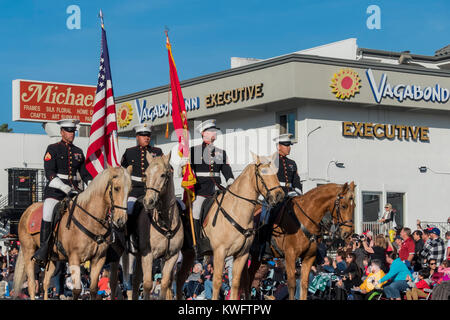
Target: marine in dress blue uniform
(208,163)
(64,165)
(137,158)
(290,182)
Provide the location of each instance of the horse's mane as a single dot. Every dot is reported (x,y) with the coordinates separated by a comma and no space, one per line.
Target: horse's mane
(97,187)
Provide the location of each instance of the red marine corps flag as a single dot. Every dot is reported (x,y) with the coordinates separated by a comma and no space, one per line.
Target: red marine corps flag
(103,147)
(180,125)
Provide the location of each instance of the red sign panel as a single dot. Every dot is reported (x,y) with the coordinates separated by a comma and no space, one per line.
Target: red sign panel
(50,101)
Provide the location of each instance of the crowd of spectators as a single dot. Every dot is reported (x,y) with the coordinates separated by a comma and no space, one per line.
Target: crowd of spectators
(406,264)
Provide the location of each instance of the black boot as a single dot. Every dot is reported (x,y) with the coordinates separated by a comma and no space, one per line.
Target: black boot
(132,238)
(41,255)
(266,236)
(202,247)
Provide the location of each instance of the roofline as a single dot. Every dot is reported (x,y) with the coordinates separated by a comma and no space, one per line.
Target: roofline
(393,54)
(294,57)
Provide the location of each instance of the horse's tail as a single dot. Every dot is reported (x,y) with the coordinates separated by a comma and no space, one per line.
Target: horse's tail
(19,274)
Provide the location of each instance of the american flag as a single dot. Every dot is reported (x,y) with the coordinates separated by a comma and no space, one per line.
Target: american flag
(103,147)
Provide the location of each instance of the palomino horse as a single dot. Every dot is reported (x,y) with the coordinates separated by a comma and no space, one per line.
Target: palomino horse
(81,235)
(160,230)
(300,222)
(230,222)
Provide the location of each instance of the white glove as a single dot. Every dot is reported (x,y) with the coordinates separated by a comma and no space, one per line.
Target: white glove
(292,194)
(184,161)
(230,181)
(58,184)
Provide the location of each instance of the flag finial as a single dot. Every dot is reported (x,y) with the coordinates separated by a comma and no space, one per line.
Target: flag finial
(100,15)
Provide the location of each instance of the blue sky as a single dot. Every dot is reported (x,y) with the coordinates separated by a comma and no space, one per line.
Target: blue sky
(37,45)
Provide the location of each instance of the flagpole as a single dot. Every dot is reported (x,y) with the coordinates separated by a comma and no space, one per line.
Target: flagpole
(166,31)
(188,195)
(100,15)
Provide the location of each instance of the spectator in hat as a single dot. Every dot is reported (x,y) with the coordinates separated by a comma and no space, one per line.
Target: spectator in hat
(435,249)
(398,243)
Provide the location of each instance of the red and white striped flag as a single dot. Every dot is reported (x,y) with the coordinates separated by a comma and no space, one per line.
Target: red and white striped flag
(103,147)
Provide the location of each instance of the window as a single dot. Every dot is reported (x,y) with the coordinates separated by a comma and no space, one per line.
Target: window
(371,206)
(397,201)
(287,123)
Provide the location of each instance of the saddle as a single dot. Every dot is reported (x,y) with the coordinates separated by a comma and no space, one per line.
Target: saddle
(206,205)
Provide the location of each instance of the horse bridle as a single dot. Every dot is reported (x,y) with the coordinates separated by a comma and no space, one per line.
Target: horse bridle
(257,175)
(337,208)
(166,179)
(339,218)
(105,223)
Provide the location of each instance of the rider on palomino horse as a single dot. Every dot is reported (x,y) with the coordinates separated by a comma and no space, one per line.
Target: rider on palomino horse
(62,161)
(207,162)
(289,181)
(136,157)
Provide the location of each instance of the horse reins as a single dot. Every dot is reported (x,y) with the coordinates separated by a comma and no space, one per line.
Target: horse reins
(164,230)
(336,208)
(250,231)
(105,223)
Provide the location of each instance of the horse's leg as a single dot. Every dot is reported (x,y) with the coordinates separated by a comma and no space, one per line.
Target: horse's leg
(167,276)
(254,266)
(219,262)
(137,277)
(238,266)
(147,266)
(96,266)
(75,272)
(244,287)
(29,269)
(47,277)
(182,274)
(290,258)
(113,278)
(307,262)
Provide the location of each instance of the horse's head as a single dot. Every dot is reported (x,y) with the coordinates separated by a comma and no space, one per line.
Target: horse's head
(267,182)
(157,178)
(344,209)
(116,194)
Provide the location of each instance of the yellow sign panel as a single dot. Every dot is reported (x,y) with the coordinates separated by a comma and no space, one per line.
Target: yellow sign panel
(345,83)
(125,115)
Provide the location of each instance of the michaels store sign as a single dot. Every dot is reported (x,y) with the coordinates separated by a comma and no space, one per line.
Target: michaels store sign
(383,89)
(147,112)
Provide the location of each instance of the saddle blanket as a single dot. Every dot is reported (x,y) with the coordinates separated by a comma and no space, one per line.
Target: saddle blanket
(34,221)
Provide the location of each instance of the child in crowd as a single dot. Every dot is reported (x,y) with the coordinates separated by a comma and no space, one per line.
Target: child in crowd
(418,291)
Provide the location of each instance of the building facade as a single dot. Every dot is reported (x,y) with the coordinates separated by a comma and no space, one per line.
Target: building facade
(380,119)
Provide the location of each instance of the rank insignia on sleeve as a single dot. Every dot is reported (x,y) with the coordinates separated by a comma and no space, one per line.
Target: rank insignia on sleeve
(48,156)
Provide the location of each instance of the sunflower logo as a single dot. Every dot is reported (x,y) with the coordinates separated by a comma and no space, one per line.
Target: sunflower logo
(345,83)
(125,114)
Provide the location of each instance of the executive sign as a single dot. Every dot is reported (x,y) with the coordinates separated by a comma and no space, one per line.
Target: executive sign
(234,95)
(380,131)
(50,101)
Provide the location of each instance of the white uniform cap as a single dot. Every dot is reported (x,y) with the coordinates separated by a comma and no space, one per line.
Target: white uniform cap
(285,139)
(143,127)
(207,124)
(69,123)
